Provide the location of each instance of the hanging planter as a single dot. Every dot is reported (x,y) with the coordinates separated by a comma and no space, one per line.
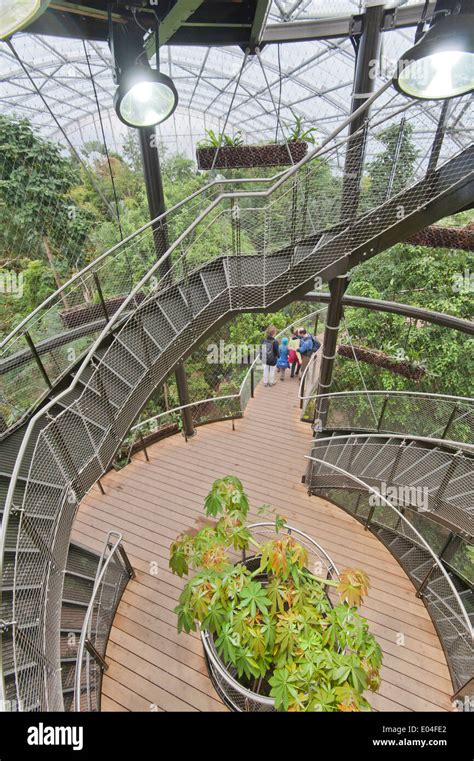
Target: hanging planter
(246,156)
(83,314)
(379,359)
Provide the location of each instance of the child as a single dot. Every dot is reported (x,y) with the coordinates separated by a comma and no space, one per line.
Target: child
(294,357)
(282,361)
(269,354)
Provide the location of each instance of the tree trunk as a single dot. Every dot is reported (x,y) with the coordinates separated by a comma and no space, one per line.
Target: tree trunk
(57,280)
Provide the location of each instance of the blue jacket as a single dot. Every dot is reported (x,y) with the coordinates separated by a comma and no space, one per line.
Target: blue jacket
(283,357)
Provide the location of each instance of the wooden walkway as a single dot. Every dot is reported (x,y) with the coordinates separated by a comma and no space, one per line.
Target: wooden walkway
(150,666)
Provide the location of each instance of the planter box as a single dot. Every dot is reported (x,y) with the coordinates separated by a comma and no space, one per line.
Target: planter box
(224,678)
(244,156)
(83,314)
(378,359)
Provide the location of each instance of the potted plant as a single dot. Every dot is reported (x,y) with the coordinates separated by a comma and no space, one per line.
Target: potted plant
(280,630)
(233,154)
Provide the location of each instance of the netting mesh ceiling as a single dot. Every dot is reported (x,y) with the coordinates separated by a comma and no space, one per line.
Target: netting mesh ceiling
(312,80)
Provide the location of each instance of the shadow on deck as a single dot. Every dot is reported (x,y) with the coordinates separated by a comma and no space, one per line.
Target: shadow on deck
(150,666)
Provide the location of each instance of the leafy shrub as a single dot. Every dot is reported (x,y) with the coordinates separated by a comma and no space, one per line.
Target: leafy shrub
(276,624)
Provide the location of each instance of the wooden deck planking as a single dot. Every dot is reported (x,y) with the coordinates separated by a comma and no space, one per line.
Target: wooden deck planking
(154,668)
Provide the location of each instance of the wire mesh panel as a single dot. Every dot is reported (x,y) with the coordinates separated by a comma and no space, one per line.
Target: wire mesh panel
(152,325)
(113,573)
(418,544)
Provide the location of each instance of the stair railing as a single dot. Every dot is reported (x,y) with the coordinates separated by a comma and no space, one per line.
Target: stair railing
(113,573)
(432,415)
(459,612)
(150,284)
(230,406)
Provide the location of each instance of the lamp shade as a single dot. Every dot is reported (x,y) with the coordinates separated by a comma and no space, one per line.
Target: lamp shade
(145,97)
(441,64)
(16,14)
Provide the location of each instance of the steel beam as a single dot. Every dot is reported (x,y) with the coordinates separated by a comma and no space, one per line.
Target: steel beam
(406,310)
(343,26)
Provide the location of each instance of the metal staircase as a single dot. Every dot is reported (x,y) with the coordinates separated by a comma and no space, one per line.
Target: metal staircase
(54,451)
(426,522)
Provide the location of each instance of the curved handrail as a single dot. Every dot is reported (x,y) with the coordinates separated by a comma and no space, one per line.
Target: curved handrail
(102,570)
(380,392)
(457,445)
(422,540)
(277,179)
(239,394)
(136,289)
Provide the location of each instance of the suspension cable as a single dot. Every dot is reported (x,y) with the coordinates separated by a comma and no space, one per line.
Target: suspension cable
(221,136)
(277,112)
(117,210)
(73,150)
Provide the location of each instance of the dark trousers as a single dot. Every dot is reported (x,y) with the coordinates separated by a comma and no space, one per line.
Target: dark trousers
(295,369)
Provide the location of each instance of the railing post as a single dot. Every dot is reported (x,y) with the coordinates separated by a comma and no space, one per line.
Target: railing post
(142,442)
(382,413)
(303,383)
(126,561)
(451,418)
(95,655)
(101,296)
(252,382)
(38,361)
(183,394)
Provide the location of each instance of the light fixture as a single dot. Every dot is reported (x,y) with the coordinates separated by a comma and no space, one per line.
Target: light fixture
(16,14)
(441,64)
(144,97)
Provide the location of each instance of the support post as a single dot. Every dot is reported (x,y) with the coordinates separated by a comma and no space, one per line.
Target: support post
(183,394)
(368,49)
(37,358)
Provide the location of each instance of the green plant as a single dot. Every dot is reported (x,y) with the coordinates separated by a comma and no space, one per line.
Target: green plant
(214,140)
(276,623)
(299,133)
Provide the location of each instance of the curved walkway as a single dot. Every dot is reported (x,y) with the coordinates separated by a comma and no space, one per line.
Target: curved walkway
(150,666)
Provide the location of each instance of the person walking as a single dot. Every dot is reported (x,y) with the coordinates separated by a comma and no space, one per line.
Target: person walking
(308,345)
(269,355)
(294,357)
(283,361)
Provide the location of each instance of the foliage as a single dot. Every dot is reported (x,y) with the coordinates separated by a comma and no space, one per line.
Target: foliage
(214,140)
(394,166)
(299,133)
(276,623)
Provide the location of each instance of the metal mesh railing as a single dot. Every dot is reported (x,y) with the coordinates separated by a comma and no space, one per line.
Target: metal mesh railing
(113,573)
(215,408)
(451,614)
(436,479)
(432,415)
(243,251)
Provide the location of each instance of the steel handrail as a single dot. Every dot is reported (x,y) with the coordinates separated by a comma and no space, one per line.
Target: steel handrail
(239,394)
(101,571)
(403,437)
(422,540)
(380,392)
(286,175)
(280,177)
